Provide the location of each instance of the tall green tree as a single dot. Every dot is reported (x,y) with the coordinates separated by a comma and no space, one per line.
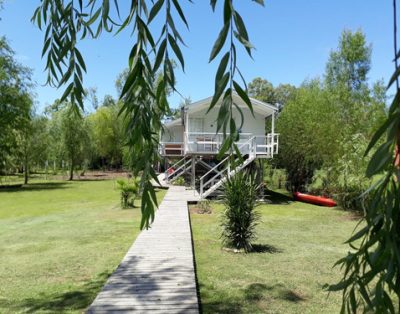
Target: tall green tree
(15,101)
(308,127)
(74,138)
(33,144)
(107,135)
(263,90)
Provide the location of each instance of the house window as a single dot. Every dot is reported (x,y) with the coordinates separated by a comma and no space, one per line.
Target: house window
(196,125)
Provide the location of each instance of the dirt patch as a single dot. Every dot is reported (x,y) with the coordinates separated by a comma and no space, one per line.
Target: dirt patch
(201,210)
(351,216)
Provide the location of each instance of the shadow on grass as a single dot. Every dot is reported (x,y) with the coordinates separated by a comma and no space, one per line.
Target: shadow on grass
(222,304)
(277,198)
(35,187)
(258,291)
(253,297)
(265,248)
(74,300)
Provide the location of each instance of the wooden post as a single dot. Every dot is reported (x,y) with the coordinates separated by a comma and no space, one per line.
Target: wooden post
(193,172)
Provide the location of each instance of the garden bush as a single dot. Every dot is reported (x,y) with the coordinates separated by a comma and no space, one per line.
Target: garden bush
(240,218)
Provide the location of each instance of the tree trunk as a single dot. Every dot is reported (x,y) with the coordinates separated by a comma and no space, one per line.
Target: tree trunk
(71,171)
(26,169)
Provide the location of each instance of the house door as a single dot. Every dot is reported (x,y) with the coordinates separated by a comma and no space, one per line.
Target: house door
(196,125)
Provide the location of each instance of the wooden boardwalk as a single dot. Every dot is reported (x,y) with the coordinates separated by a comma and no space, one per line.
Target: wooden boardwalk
(157,274)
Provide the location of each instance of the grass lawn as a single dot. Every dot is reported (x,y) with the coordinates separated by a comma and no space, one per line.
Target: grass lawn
(300,243)
(59,241)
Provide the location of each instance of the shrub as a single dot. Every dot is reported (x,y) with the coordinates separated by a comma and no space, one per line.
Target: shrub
(239,219)
(204,207)
(179,181)
(129,191)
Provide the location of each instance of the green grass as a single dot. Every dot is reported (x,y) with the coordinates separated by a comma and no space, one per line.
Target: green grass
(59,241)
(298,245)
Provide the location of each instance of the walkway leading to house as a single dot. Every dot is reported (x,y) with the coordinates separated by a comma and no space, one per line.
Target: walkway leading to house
(157,274)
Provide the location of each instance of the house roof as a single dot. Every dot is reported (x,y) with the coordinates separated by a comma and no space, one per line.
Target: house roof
(259,107)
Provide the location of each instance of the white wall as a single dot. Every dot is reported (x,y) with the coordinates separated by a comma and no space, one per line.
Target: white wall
(254,125)
(173,134)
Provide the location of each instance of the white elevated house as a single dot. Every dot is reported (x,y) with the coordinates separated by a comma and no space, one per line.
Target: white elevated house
(193,143)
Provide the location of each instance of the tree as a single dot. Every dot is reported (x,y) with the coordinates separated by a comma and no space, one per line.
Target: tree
(262,90)
(349,65)
(74,138)
(107,135)
(33,144)
(306,143)
(15,101)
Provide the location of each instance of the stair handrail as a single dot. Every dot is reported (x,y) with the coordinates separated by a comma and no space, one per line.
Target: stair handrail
(184,167)
(250,141)
(222,161)
(167,175)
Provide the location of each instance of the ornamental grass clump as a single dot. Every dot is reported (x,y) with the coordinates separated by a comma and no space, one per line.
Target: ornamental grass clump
(129,191)
(239,219)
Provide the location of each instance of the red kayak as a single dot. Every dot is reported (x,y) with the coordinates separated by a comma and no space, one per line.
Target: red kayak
(317,200)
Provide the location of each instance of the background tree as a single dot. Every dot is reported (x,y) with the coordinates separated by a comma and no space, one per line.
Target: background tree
(263,90)
(15,101)
(33,145)
(74,139)
(107,135)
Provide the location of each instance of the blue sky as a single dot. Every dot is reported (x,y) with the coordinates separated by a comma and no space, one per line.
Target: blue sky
(293,39)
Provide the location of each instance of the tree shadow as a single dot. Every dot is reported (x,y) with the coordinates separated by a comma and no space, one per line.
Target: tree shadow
(257,291)
(265,248)
(36,187)
(224,304)
(276,198)
(78,299)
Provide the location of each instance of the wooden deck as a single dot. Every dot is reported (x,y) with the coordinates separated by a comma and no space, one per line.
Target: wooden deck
(157,274)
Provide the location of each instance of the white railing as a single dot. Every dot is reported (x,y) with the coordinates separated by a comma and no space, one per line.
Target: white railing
(177,169)
(267,145)
(210,143)
(172,148)
(226,171)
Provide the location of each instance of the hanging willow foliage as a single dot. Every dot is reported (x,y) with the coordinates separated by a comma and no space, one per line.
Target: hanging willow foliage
(66,22)
(371,281)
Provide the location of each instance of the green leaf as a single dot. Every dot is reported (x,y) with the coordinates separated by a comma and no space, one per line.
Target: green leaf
(154,10)
(392,119)
(221,68)
(227,11)
(380,159)
(177,51)
(160,55)
(66,92)
(243,95)
(94,17)
(180,12)
(261,2)
(358,235)
(219,90)
(80,59)
(394,77)
(219,43)
(213,4)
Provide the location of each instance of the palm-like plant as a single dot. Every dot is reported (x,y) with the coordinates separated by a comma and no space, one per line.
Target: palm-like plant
(129,191)
(240,218)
